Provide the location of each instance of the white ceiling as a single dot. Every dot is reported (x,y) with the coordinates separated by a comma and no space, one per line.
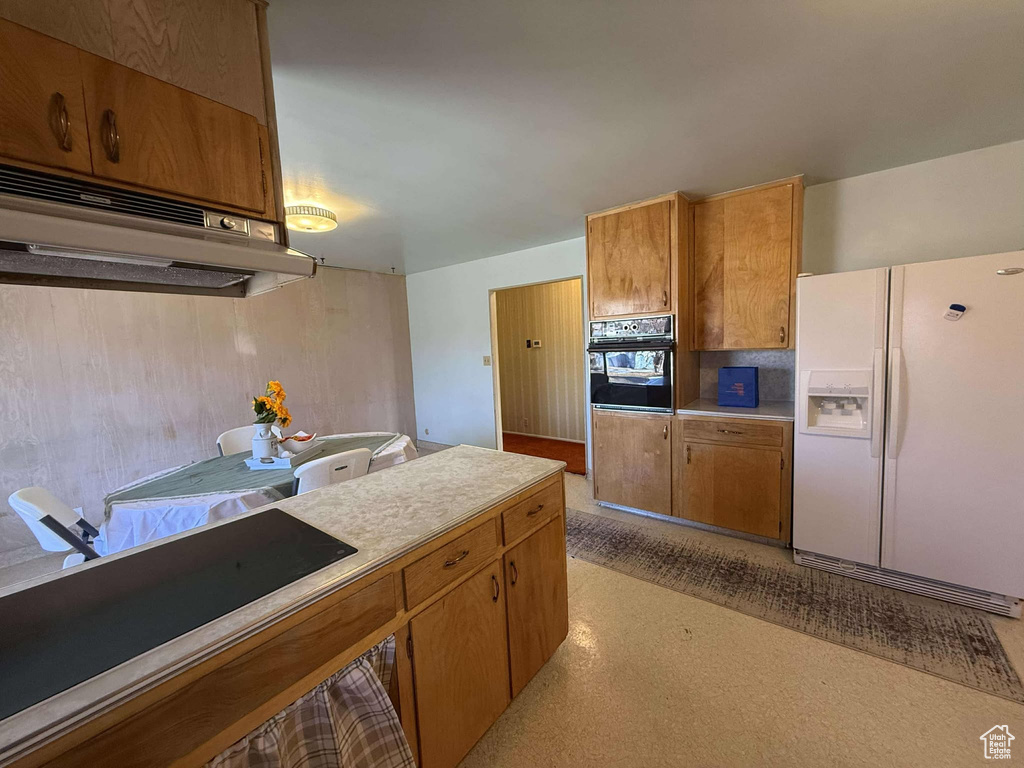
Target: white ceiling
(448,130)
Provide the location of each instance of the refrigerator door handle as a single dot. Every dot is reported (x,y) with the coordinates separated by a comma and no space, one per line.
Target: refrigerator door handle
(896,403)
(877,408)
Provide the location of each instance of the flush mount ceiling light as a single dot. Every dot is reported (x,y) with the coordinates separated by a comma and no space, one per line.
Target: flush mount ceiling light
(309,218)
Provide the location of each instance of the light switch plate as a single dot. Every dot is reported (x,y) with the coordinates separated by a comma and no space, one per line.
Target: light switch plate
(487,359)
(536,343)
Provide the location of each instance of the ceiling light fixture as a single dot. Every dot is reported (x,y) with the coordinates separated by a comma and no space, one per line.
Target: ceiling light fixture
(309,218)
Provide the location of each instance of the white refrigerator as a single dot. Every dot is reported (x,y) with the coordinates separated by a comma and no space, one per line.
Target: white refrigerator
(909,447)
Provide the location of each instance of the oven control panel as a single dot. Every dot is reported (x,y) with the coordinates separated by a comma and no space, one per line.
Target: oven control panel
(631,329)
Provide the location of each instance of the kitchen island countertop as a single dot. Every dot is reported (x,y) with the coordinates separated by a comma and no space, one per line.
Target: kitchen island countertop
(384,515)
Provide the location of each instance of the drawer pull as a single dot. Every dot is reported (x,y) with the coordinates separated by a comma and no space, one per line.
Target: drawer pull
(455,561)
(63,121)
(782,334)
(515,572)
(497,589)
(111,138)
(730,432)
(534,511)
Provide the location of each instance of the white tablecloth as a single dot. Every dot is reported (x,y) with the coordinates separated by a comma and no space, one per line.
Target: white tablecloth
(133,523)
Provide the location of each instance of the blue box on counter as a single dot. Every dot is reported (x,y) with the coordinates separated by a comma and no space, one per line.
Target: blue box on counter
(737,386)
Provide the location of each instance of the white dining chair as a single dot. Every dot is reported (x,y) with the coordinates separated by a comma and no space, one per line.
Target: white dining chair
(335,468)
(56,526)
(239,439)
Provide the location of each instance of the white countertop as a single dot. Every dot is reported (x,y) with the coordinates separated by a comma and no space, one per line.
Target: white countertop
(383,515)
(779,410)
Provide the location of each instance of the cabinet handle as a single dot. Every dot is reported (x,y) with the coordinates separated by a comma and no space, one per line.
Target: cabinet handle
(664,432)
(730,432)
(687,454)
(497,589)
(515,572)
(62,120)
(534,511)
(111,138)
(457,560)
(664,298)
(782,334)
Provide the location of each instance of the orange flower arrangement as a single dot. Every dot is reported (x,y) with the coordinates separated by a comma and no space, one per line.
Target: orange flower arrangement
(270,407)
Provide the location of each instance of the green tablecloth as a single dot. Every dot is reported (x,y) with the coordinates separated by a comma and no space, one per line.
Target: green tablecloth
(229,474)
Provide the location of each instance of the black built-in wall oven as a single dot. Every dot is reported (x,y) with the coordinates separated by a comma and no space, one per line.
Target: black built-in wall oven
(631,364)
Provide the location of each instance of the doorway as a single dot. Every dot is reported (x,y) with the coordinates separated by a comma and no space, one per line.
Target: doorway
(537,348)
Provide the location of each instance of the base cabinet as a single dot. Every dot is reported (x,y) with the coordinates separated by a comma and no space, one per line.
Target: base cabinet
(735,474)
(538,614)
(633,460)
(460,667)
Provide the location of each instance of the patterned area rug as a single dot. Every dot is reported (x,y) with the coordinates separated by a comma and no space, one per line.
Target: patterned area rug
(945,640)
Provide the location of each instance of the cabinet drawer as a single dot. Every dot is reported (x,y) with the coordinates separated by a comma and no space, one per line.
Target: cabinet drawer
(530,513)
(445,564)
(738,432)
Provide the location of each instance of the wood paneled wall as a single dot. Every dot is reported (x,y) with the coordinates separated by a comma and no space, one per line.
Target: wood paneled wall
(542,390)
(99,388)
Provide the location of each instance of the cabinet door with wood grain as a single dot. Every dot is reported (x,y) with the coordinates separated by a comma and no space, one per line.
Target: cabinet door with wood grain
(633,460)
(538,610)
(460,667)
(152,134)
(42,112)
(629,261)
(734,487)
(744,249)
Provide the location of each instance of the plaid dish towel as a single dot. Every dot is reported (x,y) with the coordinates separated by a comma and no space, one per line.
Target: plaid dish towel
(347,721)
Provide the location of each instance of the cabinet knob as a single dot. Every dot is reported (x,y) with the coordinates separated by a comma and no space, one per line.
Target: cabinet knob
(61,121)
(111,138)
(664,432)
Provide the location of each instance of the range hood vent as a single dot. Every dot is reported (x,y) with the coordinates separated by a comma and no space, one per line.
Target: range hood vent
(57,189)
(61,232)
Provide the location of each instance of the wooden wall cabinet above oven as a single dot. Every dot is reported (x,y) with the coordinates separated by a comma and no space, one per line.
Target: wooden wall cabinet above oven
(167,98)
(633,257)
(746,256)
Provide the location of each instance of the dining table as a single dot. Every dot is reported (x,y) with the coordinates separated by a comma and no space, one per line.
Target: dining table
(202,492)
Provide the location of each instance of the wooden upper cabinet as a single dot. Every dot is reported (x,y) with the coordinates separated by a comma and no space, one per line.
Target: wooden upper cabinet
(538,615)
(42,113)
(460,667)
(746,254)
(629,260)
(149,133)
(633,460)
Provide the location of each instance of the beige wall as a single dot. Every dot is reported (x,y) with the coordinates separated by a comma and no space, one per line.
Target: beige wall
(542,390)
(99,388)
(961,205)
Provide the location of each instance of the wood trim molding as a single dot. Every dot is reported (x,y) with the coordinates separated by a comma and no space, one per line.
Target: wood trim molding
(796,181)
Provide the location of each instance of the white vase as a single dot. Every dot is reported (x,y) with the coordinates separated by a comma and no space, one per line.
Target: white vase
(264,442)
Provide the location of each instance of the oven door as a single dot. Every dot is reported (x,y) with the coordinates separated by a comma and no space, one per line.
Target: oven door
(631,377)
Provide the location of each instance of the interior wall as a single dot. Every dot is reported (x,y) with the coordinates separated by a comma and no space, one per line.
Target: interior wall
(542,388)
(102,387)
(449,318)
(961,205)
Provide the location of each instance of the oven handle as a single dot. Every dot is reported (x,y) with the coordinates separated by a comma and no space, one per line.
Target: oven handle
(635,346)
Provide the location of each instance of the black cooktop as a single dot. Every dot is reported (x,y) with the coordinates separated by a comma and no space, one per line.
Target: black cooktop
(58,634)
